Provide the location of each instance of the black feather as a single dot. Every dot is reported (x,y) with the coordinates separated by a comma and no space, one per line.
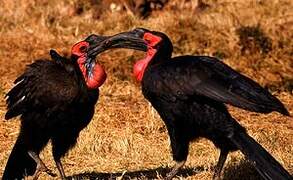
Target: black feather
(54,103)
(265,164)
(189,93)
(19,162)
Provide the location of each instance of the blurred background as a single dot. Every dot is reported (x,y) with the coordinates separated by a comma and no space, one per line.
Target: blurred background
(126,138)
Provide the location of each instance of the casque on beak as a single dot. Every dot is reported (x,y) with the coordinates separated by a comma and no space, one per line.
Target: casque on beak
(93,41)
(131,40)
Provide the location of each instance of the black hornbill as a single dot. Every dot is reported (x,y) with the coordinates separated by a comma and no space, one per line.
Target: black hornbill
(56,100)
(190,92)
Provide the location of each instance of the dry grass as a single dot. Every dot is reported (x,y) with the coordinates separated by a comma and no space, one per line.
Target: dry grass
(126,135)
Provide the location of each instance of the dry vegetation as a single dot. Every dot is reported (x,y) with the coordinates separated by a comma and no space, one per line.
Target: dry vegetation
(126,138)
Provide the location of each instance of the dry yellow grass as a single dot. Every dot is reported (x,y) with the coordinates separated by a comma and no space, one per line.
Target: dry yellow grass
(126,137)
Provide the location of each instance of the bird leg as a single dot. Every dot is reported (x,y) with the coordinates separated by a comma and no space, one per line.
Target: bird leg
(175,169)
(41,167)
(60,168)
(220,164)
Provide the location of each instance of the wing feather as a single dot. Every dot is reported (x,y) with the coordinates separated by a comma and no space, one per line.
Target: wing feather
(188,76)
(44,84)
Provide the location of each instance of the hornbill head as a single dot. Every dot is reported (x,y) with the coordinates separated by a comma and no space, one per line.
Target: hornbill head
(156,44)
(92,71)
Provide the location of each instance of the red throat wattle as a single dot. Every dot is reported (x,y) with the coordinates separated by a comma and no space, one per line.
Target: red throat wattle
(141,65)
(97,77)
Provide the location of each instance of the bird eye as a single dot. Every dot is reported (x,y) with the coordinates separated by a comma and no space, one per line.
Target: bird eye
(82,48)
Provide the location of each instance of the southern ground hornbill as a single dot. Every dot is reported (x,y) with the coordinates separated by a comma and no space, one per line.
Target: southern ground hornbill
(190,92)
(56,100)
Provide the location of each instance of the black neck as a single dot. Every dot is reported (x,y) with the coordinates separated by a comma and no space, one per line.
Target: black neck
(162,55)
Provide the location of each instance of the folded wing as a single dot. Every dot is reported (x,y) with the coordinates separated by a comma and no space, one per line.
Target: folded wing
(44,85)
(209,77)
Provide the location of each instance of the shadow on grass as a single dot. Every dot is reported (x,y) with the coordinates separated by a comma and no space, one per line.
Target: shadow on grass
(244,170)
(143,174)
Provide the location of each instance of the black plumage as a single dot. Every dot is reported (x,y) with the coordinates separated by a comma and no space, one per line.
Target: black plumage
(189,93)
(55,104)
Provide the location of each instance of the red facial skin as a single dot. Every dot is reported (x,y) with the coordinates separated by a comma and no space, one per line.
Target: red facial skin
(140,66)
(98,76)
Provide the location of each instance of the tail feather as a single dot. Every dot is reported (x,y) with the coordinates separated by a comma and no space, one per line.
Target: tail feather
(284,111)
(14,111)
(19,163)
(268,167)
(277,105)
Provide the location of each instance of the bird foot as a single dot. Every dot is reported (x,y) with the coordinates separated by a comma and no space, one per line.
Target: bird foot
(170,175)
(175,170)
(50,172)
(43,168)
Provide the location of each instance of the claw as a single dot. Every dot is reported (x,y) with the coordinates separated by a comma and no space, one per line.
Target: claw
(41,167)
(175,170)
(50,172)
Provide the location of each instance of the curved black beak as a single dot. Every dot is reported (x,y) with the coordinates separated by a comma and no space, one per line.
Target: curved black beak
(130,40)
(93,40)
